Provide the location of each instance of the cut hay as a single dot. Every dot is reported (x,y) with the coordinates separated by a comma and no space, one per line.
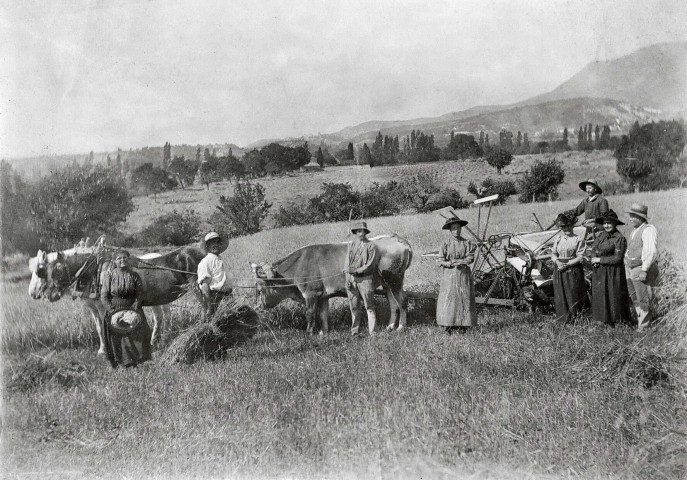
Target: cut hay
(620,364)
(231,325)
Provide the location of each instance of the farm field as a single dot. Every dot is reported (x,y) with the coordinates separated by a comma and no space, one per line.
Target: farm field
(301,186)
(519,397)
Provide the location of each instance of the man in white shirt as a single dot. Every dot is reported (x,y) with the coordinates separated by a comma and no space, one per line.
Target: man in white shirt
(212,278)
(640,263)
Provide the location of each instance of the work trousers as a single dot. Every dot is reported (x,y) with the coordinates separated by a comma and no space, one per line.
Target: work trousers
(212,302)
(360,292)
(642,293)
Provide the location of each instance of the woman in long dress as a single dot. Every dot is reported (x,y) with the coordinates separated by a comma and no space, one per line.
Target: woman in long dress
(125,329)
(569,290)
(610,298)
(456,309)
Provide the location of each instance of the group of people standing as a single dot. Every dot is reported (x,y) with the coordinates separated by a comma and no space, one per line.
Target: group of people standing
(623,275)
(624,271)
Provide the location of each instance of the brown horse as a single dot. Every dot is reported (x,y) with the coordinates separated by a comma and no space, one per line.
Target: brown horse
(165,278)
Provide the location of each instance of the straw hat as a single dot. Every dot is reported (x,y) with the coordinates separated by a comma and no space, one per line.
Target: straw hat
(590,181)
(609,215)
(125,321)
(451,221)
(639,210)
(216,237)
(360,226)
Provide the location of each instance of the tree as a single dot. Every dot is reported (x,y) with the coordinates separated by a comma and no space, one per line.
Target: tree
(183,170)
(461,146)
(565,136)
(365,156)
(14,213)
(481,138)
(166,155)
(319,157)
(541,182)
(254,163)
(650,150)
(71,204)
(499,159)
(350,155)
(152,179)
(242,213)
(580,139)
(597,138)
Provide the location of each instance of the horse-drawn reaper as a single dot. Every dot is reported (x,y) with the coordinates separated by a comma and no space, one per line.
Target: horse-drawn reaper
(511,269)
(165,278)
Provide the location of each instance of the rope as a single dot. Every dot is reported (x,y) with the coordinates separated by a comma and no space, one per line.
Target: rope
(315,279)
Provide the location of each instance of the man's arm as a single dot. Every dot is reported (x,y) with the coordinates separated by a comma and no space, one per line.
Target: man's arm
(367,267)
(650,247)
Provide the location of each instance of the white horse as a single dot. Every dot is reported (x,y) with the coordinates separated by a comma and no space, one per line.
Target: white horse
(92,306)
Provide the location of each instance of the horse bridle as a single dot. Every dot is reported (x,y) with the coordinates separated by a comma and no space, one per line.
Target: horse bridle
(61,285)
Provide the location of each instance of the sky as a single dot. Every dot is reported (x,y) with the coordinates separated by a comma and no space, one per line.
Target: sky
(81,75)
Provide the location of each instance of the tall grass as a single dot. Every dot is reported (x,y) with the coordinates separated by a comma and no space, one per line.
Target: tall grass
(518,397)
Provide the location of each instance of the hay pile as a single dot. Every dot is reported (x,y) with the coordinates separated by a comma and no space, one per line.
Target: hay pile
(231,325)
(623,364)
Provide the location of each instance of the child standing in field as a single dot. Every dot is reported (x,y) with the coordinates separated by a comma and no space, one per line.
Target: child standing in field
(212,278)
(456,308)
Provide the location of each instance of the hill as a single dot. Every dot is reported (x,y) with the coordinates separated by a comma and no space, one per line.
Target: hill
(645,85)
(652,77)
(540,121)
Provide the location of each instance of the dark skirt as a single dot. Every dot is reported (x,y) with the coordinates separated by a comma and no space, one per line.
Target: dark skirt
(610,298)
(456,303)
(126,349)
(569,293)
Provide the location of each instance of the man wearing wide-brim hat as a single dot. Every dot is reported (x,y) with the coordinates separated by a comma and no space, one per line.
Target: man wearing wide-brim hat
(640,263)
(594,206)
(212,277)
(361,263)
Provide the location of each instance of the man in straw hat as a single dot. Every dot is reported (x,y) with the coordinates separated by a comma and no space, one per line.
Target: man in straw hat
(212,278)
(640,263)
(359,270)
(594,206)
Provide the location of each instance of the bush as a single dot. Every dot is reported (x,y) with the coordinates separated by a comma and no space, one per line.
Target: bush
(380,200)
(499,159)
(416,191)
(504,189)
(336,202)
(446,198)
(297,214)
(242,213)
(541,182)
(175,228)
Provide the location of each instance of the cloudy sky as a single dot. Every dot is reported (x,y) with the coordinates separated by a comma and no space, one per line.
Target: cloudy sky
(79,75)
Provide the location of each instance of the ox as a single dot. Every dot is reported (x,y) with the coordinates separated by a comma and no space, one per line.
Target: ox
(165,278)
(313,274)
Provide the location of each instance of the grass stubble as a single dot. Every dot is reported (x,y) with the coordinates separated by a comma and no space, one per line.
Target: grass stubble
(519,397)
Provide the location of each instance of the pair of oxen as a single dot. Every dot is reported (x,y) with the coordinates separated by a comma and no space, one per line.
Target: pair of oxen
(311,275)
